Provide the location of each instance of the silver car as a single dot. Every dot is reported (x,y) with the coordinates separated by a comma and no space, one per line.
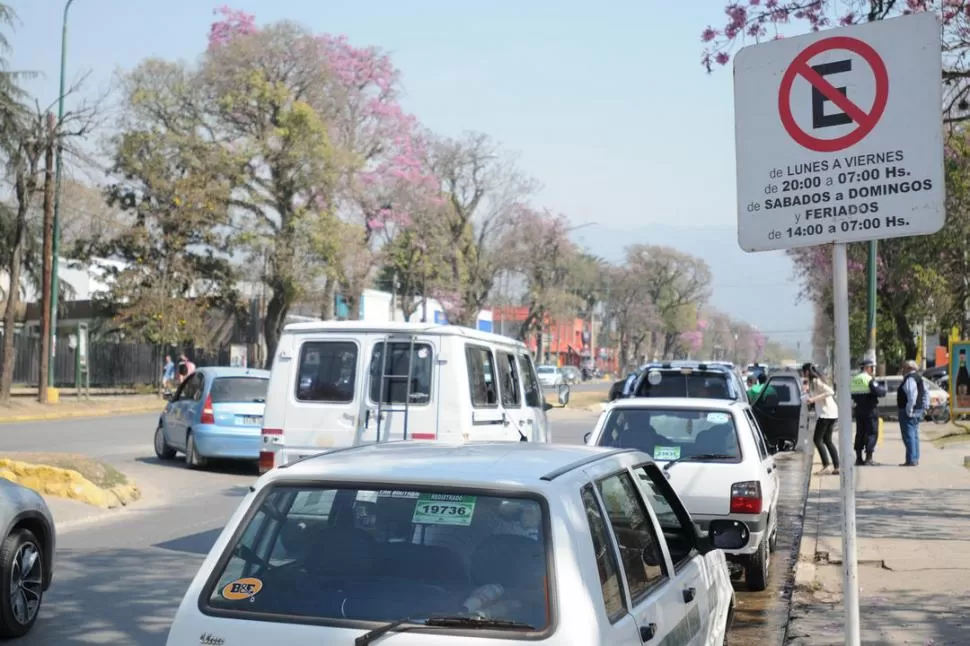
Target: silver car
(550,376)
(26,557)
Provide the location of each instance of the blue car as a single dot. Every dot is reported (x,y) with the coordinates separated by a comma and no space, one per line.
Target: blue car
(215,413)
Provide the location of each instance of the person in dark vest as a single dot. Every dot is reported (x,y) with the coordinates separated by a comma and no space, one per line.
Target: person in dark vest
(912,400)
(866,392)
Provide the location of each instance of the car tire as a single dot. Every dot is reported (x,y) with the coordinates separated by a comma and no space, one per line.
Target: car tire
(162,449)
(192,458)
(773,541)
(756,568)
(18,591)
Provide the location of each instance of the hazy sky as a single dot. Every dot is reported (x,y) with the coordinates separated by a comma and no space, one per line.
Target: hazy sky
(606,103)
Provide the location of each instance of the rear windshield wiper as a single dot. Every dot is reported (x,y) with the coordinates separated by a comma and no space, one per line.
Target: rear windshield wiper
(445,621)
(700,457)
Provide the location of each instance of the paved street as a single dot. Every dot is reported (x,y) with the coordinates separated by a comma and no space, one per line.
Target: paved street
(119,579)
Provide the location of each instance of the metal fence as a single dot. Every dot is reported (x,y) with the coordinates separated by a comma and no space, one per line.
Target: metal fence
(110,364)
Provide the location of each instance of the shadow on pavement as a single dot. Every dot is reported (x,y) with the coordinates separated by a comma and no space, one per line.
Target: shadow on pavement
(90,603)
(199,543)
(229,467)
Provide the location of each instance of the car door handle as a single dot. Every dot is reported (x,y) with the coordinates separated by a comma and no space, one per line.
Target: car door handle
(647,632)
(689,594)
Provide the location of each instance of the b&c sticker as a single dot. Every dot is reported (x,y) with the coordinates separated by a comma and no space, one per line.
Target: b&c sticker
(242,589)
(444,509)
(666,452)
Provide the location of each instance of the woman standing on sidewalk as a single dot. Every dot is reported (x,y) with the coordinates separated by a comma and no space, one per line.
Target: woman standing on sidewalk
(827,411)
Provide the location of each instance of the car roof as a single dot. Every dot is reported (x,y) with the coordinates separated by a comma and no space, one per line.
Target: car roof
(399,328)
(694,365)
(445,463)
(682,403)
(228,371)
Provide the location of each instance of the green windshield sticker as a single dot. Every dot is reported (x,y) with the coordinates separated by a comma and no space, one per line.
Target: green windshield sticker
(666,452)
(444,509)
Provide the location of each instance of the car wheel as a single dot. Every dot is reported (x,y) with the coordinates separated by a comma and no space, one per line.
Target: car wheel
(192,458)
(22,588)
(162,449)
(756,569)
(773,541)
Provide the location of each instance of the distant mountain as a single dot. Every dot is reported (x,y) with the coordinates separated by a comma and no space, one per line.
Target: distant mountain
(758,288)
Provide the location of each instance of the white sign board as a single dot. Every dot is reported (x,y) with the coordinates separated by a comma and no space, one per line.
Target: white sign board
(839,135)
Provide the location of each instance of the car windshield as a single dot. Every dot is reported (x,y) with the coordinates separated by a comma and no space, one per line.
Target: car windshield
(382,555)
(546,370)
(672,433)
(684,383)
(235,390)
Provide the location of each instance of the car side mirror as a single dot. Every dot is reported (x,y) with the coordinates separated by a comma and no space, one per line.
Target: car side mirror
(729,534)
(168,396)
(546,406)
(563,395)
(586,437)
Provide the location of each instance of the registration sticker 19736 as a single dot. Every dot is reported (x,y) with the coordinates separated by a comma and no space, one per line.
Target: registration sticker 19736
(444,509)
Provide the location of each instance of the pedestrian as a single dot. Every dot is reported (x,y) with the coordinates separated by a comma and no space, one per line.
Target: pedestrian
(912,401)
(754,388)
(822,396)
(866,392)
(168,375)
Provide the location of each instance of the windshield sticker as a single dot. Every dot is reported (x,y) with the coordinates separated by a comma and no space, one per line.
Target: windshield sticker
(444,509)
(654,377)
(666,453)
(242,589)
(385,493)
(718,418)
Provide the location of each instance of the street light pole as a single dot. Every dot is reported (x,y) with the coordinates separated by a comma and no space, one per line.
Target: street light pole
(56,237)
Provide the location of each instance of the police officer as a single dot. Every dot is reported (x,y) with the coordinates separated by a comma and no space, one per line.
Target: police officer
(866,392)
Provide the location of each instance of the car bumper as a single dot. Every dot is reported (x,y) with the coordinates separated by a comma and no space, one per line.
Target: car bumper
(757,525)
(227,442)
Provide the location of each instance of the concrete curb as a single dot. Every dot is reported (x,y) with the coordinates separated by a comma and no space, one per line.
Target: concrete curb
(101,412)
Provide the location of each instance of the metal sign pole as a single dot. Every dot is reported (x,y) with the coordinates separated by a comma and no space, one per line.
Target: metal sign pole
(850,566)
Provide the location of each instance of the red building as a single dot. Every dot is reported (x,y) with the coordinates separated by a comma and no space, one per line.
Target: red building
(564,342)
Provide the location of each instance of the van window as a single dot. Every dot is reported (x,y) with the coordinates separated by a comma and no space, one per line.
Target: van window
(315,554)
(530,383)
(509,372)
(328,371)
(399,365)
(481,376)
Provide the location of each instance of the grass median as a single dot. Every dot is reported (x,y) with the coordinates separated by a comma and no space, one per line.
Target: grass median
(71,476)
(581,400)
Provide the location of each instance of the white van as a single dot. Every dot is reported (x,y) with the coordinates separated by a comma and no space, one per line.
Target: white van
(332,385)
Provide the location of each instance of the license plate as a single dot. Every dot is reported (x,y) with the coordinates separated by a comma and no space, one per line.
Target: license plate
(249,420)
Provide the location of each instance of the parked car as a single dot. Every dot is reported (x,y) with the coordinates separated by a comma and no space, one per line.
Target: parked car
(887,405)
(474,543)
(550,376)
(689,379)
(572,375)
(717,461)
(215,413)
(780,410)
(26,557)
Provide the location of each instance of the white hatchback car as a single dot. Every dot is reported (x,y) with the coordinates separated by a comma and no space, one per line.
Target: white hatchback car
(478,544)
(716,458)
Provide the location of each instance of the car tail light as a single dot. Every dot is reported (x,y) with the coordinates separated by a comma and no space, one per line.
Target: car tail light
(267,457)
(746,497)
(207,416)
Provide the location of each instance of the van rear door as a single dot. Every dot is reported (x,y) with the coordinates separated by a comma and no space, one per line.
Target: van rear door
(404,381)
(325,387)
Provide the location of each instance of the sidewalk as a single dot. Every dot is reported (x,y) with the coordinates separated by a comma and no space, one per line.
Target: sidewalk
(913,550)
(29,410)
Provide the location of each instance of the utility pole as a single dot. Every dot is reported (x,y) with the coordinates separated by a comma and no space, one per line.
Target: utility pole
(45,376)
(56,234)
(871,301)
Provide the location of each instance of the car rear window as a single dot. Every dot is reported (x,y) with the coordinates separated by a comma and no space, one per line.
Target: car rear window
(684,383)
(235,390)
(318,554)
(672,434)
